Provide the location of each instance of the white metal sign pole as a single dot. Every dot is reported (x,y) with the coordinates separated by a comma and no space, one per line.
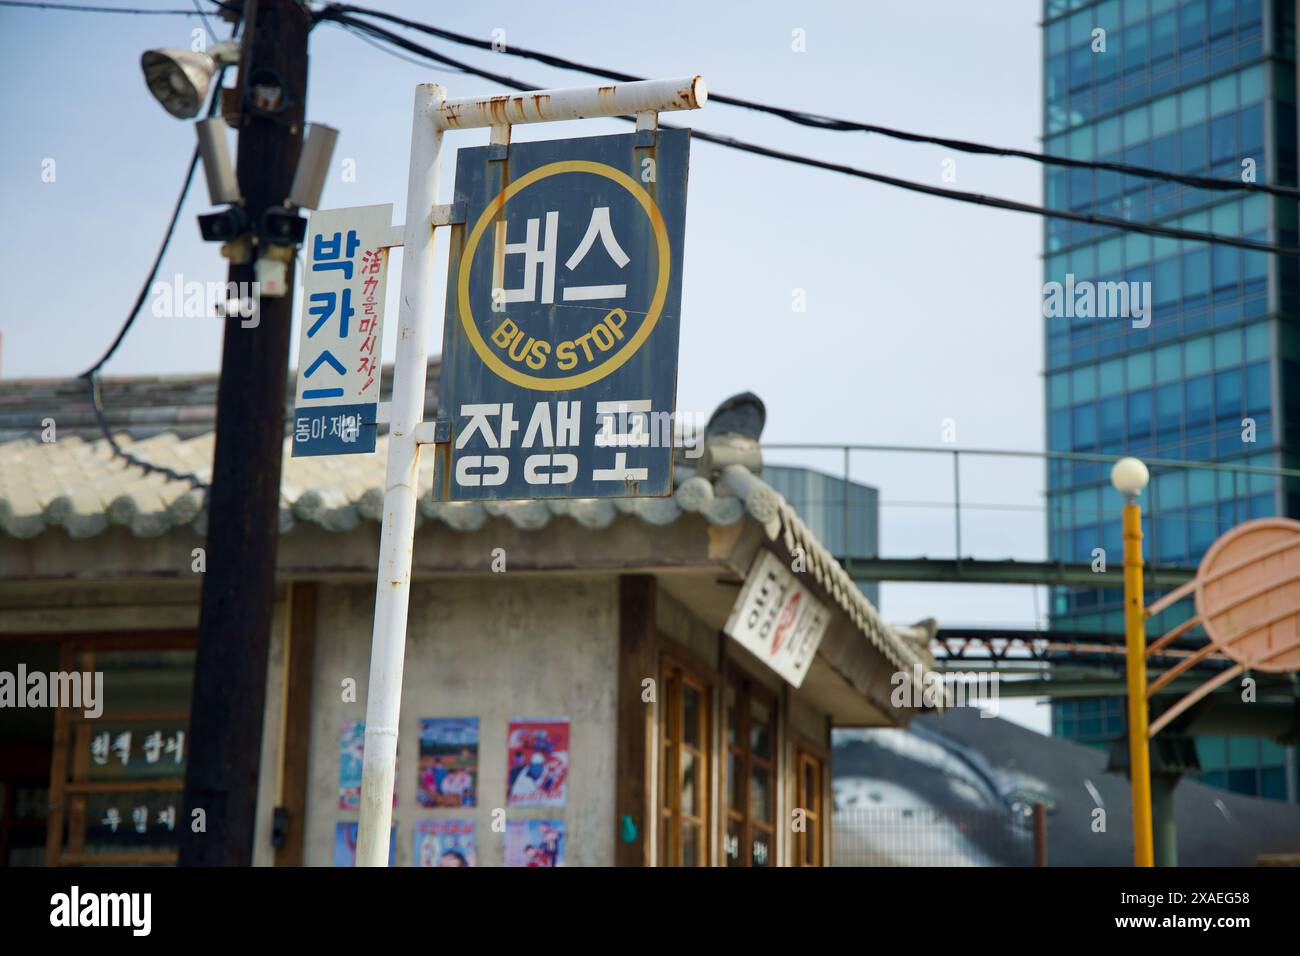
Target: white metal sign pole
(393,586)
(432,115)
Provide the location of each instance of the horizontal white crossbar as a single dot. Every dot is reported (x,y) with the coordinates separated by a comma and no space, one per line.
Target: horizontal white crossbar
(546,106)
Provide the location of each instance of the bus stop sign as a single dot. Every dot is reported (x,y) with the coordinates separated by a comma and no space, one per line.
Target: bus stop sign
(559,371)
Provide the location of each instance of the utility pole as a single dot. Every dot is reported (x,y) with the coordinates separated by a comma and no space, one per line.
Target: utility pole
(243,502)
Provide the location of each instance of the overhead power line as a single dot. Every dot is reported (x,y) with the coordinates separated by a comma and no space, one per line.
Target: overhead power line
(336,15)
(81,8)
(91,375)
(820,121)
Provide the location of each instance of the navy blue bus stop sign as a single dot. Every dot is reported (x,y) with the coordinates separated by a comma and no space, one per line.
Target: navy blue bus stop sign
(559,361)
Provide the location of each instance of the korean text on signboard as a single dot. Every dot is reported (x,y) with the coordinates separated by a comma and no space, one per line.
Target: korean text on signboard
(560,342)
(777,619)
(340,345)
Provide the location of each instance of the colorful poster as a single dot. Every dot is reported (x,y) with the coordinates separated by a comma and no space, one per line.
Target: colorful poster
(448,762)
(345,844)
(538,762)
(444,843)
(352,746)
(535,843)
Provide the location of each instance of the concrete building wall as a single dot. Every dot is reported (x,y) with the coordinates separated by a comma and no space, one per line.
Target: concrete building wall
(495,647)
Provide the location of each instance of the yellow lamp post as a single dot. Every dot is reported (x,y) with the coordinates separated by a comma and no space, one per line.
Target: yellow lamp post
(1130,476)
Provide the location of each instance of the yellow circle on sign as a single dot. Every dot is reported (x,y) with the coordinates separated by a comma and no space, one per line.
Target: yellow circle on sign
(615,361)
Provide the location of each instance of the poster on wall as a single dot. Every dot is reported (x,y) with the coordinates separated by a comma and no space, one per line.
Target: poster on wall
(444,843)
(448,762)
(535,843)
(345,844)
(352,746)
(537,771)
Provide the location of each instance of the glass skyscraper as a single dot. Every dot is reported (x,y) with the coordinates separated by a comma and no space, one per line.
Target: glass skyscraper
(1206,87)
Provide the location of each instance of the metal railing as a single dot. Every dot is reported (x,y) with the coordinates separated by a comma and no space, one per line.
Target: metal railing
(956,503)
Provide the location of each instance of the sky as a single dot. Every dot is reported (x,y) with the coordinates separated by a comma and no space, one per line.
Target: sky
(921,313)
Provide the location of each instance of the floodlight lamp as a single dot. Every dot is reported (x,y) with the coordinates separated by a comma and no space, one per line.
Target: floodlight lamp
(179,79)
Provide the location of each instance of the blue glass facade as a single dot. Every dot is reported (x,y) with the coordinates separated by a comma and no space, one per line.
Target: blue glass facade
(1205,87)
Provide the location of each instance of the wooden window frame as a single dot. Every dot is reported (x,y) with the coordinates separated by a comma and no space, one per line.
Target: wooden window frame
(68,794)
(747,689)
(813,805)
(675,676)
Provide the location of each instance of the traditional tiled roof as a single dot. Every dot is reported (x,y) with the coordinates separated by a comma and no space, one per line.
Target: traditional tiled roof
(78,484)
(83,488)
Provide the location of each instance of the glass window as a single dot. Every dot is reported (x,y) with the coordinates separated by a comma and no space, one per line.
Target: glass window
(1139,414)
(752,771)
(1165,285)
(1169,365)
(1164,29)
(1228,396)
(1083,384)
(1223,94)
(1169,410)
(1254,214)
(1252,131)
(1200,487)
(1227,272)
(1257,389)
(1225,218)
(809,797)
(1083,262)
(1081,24)
(1191,26)
(1111,377)
(1221,18)
(1170,542)
(1108,140)
(1223,138)
(1138,368)
(1194,104)
(1056,37)
(1080,70)
(1137,249)
(1110,412)
(1137,126)
(1197,408)
(1195,153)
(1196,273)
(1257,341)
(1227,348)
(1084,426)
(1196,356)
(685,733)
(1169,489)
(1134,10)
(1164,154)
(1252,82)
(1110,256)
(1254,269)
(1137,46)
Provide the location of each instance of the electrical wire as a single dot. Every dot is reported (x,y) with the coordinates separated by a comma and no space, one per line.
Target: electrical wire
(335,12)
(820,121)
(91,375)
(332,14)
(79,8)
